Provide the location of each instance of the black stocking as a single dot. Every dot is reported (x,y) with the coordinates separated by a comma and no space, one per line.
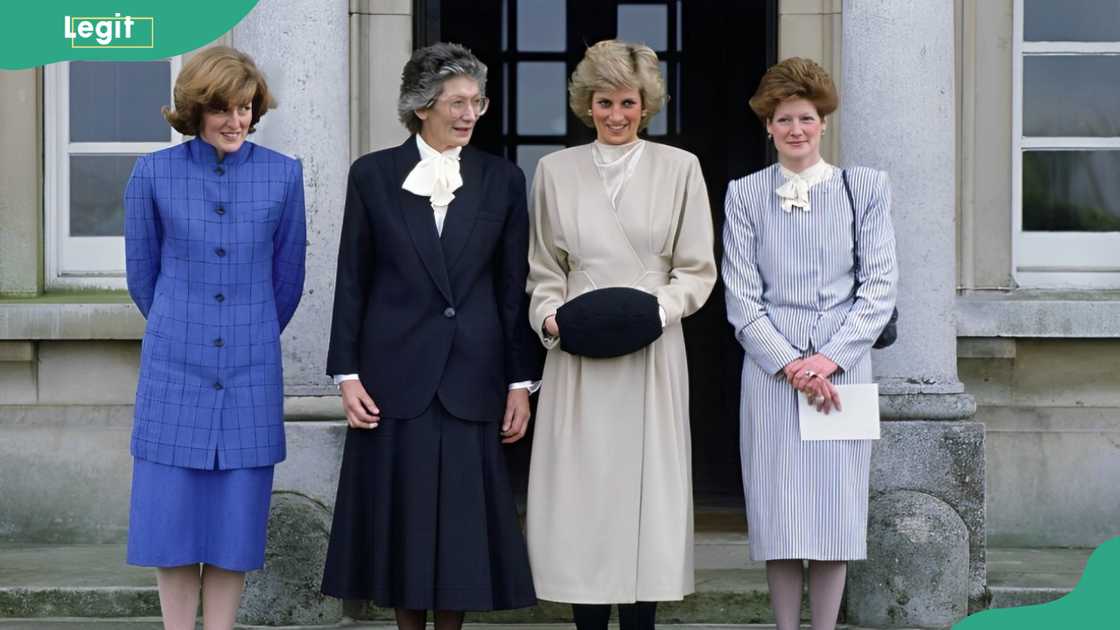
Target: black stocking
(591,616)
(637,616)
(449,619)
(411,619)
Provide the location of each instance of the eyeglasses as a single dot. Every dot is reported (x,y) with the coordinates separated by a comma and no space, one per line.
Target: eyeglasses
(458,106)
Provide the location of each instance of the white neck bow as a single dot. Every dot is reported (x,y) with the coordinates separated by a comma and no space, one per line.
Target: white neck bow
(436,175)
(795,192)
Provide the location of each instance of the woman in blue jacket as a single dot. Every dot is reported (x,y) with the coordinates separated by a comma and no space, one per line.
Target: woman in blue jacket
(215,239)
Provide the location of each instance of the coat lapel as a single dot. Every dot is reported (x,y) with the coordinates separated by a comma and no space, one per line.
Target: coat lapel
(463,211)
(418,218)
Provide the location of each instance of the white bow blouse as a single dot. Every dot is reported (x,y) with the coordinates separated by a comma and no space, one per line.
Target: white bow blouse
(437,177)
(795,192)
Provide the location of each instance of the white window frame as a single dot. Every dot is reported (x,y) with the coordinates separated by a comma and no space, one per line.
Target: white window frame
(85,262)
(1053,260)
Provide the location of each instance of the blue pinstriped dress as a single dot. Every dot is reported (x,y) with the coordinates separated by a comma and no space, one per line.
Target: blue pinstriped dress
(791,291)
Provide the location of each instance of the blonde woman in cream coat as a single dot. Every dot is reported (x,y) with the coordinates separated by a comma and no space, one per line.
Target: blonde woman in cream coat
(610,481)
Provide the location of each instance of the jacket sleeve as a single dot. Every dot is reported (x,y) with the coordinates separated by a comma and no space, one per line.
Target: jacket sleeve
(143,235)
(878,281)
(352,282)
(289,246)
(743,289)
(693,272)
(522,352)
(548,262)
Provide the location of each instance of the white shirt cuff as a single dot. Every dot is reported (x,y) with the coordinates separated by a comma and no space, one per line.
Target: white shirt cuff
(532,386)
(338,378)
(661,313)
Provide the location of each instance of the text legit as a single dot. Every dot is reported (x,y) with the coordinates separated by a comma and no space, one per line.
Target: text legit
(104,30)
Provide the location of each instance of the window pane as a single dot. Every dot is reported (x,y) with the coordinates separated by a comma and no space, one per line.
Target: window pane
(529,154)
(97,194)
(1071,20)
(113,101)
(644,23)
(1070,95)
(541,25)
(658,126)
(1071,191)
(542,98)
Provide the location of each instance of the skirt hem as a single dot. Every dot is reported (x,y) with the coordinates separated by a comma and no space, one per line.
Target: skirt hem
(560,598)
(383,600)
(161,564)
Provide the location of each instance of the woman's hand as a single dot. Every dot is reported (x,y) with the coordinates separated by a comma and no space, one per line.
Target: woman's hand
(822,393)
(810,376)
(808,369)
(361,412)
(516,420)
(551,327)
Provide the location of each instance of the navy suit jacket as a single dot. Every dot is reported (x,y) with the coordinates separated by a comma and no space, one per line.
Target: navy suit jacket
(419,315)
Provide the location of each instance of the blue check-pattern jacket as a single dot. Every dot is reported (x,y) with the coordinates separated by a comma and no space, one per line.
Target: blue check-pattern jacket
(215,260)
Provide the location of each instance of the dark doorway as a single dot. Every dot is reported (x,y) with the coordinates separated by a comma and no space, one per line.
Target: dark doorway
(713,54)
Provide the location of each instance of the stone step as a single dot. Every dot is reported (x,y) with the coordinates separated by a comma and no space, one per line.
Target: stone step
(155,624)
(92,582)
(1025,576)
(73,581)
(723,596)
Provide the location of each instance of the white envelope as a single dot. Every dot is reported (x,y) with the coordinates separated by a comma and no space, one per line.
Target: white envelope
(859,419)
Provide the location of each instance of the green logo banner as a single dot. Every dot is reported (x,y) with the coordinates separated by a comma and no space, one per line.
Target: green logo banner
(39,33)
(1091,605)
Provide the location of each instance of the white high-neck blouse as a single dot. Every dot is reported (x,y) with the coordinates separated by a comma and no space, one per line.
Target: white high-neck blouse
(616,163)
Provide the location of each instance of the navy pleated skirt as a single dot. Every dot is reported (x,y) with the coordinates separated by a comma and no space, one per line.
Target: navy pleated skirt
(180,516)
(425,518)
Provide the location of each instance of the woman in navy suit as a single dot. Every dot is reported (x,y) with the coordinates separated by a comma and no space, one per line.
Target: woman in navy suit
(431,347)
(214,239)
(810,276)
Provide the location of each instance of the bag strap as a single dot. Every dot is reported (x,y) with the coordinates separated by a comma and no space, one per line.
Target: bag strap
(855,231)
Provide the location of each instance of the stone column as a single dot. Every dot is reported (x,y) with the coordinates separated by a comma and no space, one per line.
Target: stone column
(21,208)
(304,50)
(305,54)
(898,111)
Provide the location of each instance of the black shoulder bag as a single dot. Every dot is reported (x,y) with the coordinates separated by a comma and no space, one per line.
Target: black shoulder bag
(890,331)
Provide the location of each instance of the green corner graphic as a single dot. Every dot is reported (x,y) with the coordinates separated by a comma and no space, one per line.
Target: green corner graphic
(40,33)
(1092,604)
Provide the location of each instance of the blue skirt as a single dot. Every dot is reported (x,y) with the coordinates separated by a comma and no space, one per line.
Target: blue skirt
(181,516)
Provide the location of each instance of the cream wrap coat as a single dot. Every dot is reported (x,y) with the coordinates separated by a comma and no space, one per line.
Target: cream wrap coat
(610,479)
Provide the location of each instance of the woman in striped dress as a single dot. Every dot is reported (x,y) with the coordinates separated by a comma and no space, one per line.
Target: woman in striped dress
(806,317)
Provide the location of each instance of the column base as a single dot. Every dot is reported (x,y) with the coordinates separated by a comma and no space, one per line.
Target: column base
(943,459)
(924,399)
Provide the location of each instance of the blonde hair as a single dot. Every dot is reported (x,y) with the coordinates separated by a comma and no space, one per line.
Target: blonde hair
(611,65)
(795,77)
(213,79)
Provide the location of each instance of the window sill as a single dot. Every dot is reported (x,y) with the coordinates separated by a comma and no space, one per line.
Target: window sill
(1042,314)
(71,316)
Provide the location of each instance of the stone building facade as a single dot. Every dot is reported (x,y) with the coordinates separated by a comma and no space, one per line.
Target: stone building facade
(1000,398)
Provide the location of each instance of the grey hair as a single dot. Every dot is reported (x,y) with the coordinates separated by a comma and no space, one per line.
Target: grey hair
(424,74)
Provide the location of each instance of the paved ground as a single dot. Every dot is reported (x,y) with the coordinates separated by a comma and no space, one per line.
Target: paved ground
(51,582)
(154,624)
